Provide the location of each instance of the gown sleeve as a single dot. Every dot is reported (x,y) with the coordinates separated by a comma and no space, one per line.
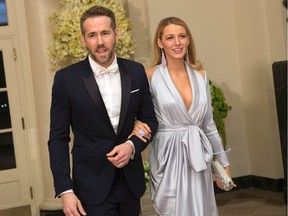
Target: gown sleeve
(210,129)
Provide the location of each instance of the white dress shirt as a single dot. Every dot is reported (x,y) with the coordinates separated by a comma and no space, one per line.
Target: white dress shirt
(109,82)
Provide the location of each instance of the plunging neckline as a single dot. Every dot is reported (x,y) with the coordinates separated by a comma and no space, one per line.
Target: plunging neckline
(176,90)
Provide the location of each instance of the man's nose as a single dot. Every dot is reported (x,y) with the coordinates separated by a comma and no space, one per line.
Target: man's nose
(99,39)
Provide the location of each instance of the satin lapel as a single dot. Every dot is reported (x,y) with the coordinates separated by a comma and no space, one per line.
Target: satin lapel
(126,93)
(94,92)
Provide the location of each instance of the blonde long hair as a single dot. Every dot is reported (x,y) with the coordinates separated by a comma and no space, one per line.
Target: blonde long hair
(195,64)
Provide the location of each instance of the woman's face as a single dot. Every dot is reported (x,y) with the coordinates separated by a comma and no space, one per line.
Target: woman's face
(174,41)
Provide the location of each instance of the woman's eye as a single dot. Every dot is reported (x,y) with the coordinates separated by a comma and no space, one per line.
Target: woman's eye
(183,37)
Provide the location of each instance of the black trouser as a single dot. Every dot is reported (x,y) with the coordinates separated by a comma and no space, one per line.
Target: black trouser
(120,201)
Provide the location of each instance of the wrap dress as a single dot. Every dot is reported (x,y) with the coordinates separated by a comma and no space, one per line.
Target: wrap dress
(181,182)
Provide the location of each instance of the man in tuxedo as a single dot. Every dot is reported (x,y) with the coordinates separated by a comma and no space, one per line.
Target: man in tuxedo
(100,98)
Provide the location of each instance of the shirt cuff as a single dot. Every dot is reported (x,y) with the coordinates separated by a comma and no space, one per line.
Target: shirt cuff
(133,154)
(67,191)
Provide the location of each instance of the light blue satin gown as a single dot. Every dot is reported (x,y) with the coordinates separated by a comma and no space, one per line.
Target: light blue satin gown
(181,182)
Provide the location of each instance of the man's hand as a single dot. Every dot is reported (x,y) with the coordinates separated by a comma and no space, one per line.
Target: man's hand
(121,154)
(72,205)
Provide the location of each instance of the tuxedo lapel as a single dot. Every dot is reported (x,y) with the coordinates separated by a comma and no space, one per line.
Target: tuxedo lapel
(126,93)
(94,92)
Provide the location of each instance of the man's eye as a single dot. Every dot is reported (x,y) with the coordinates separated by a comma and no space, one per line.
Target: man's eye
(105,34)
(91,35)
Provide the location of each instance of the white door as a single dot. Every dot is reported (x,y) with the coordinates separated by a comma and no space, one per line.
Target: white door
(14,174)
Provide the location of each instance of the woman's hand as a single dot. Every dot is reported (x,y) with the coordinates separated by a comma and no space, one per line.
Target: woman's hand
(141,130)
(218,182)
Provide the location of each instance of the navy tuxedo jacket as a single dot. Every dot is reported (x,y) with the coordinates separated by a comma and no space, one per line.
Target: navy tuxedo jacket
(77,104)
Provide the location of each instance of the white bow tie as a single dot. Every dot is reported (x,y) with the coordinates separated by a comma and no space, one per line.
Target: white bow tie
(111,69)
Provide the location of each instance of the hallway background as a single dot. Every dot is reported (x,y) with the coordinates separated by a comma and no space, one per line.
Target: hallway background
(237,40)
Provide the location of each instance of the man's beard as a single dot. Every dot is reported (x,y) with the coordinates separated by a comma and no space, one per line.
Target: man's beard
(106,59)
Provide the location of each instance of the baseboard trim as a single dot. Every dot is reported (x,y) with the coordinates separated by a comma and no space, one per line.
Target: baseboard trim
(51,213)
(276,185)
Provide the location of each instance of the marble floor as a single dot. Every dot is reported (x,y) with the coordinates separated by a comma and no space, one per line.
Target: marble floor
(244,202)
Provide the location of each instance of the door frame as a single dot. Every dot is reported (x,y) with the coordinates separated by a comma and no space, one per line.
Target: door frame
(17,31)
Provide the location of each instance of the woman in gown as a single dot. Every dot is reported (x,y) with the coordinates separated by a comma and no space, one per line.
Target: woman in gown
(181,181)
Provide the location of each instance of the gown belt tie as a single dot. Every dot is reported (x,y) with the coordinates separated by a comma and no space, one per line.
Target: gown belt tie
(196,143)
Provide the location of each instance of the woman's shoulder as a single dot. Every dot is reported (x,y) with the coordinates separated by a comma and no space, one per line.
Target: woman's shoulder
(150,71)
(202,72)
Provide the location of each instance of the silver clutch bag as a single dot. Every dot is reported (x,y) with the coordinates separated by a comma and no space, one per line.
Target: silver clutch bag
(220,173)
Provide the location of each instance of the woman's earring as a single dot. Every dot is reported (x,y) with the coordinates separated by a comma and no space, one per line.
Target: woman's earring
(187,57)
(163,59)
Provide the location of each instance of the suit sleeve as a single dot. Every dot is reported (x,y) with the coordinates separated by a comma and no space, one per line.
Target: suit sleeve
(59,136)
(146,114)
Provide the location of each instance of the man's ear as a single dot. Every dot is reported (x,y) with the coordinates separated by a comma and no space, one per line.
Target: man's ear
(117,33)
